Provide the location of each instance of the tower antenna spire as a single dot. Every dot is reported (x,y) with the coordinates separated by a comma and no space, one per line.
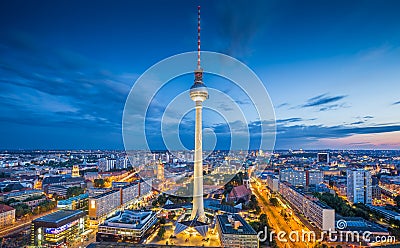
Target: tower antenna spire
(198,37)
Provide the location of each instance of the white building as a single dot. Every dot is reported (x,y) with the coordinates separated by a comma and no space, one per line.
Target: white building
(314,177)
(273,183)
(320,214)
(129,225)
(294,177)
(106,164)
(359,186)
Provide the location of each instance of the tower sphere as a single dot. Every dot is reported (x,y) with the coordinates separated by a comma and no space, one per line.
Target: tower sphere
(198,91)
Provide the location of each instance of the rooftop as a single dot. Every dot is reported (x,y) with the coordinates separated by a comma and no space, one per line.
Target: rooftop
(130,219)
(228,222)
(5,208)
(60,216)
(72,199)
(105,194)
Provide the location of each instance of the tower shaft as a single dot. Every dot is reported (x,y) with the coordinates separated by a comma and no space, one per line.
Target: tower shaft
(198,204)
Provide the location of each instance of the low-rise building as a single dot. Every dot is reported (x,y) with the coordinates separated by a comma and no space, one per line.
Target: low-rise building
(73,203)
(234,231)
(239,193)
(7,215)
(20,195)
(128,226)
(388,214)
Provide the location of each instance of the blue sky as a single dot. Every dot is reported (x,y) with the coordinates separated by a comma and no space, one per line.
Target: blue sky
(331,67)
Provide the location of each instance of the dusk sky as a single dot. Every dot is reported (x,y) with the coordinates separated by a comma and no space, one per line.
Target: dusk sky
(331,68)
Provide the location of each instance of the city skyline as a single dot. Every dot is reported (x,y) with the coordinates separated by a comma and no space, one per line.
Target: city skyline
(331,68)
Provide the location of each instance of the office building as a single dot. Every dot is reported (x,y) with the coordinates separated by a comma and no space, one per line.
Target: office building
(234,231)
(58,228)
(128,226)
(359,186)
(7,215)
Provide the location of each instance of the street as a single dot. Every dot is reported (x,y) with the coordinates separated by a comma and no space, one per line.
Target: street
(277,221)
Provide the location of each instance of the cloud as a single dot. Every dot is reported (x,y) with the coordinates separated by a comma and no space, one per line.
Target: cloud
(282,105)
(357,122)
(323,100)
(316,132)
(290,120)
(45,87)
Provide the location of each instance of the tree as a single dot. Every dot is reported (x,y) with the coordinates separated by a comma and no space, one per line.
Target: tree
(99,183)
(161,232)
(74,191)
(22,209)
(162,221)
(273,201)
(397,200)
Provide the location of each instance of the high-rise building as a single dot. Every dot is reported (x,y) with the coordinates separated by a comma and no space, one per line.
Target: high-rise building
(314,177)
(359,186)
(323,157)
(106,164)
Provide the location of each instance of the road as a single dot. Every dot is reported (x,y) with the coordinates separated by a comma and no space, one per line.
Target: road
(21,224)
(277,221)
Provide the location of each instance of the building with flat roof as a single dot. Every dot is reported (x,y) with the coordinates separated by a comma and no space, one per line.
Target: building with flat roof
(73,203)
(315,211)
(388,214)
(314,177)
(7,215)
(234,231)
(20,195)
(294,177)
(359,186)
(103,205)
(273,183)
(128,226)
(55,229)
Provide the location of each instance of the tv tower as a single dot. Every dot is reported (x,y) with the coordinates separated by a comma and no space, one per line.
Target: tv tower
(198,93)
